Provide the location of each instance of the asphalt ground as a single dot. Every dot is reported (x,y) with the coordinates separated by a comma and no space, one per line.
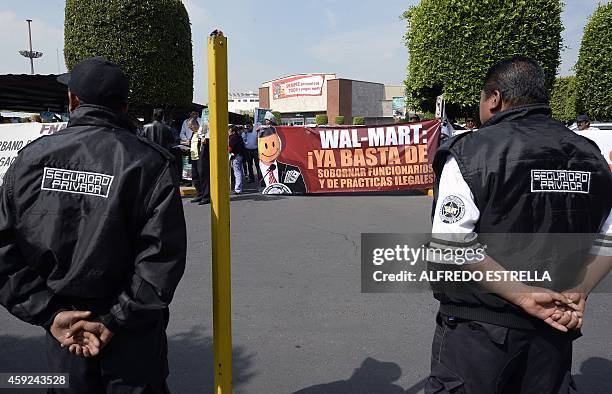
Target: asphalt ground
(300,322)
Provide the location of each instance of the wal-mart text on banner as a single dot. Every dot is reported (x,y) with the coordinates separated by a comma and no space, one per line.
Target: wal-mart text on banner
(297,160)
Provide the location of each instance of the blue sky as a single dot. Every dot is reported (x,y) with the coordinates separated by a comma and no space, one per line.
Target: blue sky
(269,38)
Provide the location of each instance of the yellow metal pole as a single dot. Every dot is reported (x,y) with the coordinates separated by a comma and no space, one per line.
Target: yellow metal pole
(220,213)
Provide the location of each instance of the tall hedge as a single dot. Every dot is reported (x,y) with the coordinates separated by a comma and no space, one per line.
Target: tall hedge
(594,67)
(150,40)
(563,98)
(452,44)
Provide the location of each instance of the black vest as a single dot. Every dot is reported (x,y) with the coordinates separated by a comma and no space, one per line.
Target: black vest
(543,192)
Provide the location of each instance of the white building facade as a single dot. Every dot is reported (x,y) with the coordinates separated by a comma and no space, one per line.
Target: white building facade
(242,103)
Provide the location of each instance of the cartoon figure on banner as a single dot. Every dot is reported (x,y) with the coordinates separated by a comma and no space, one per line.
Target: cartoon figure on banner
(277,177)
(278,91)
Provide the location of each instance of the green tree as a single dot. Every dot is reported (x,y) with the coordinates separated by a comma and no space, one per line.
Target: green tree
(358,121)
(150,40)
(452,44)
(594,67)
(563,98)
(339,119)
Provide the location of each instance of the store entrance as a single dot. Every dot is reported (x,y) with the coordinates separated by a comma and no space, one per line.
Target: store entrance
(294,121)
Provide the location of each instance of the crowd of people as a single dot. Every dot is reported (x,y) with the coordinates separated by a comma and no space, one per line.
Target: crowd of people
(192,142)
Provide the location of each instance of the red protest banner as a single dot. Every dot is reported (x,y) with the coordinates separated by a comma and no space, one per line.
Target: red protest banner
(295,160)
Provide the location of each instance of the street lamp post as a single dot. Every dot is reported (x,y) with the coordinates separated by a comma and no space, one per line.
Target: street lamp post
(30,54)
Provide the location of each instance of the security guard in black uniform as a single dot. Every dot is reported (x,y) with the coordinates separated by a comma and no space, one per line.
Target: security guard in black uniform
(520,175)
(93,241)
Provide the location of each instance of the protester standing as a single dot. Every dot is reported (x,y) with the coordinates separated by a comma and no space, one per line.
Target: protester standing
(158,132)
(194,157)
(177,149)
(185,129)
(93,240)
(470,124)
(236,150)
(187,140)
(250,154)
(584,123)
(202,163)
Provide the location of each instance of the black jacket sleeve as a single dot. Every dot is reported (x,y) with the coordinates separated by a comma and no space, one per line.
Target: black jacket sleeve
(161,245)
(23,292)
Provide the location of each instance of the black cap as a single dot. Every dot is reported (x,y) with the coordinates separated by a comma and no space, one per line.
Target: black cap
(582,118)
(98,81)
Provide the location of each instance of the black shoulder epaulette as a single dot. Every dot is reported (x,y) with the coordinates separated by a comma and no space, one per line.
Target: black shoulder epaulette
(444,150)
(449,143)
(34,142)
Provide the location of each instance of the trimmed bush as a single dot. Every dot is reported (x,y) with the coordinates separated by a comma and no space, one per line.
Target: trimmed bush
(277,116)
(452,44)
(150,40)
(339,120)
(321,120)
(358,121)
(563,99)
(594,67)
